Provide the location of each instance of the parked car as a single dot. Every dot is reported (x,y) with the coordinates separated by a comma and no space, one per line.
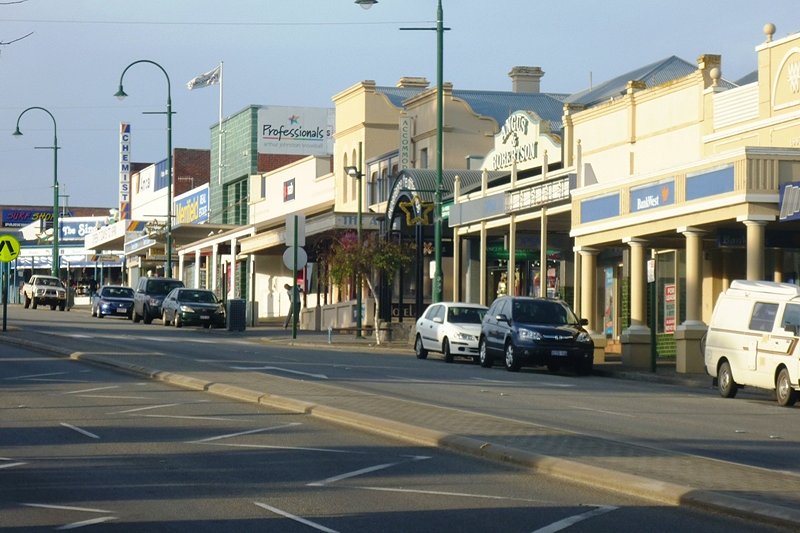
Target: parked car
(112,300)
(754,339)
(45,290)
(451,328)
(149,294)
(193,307)
(535,331)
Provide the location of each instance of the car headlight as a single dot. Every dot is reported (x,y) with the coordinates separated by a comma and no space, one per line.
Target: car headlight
(584,337)
(186,309)
(529,335)
(464,336)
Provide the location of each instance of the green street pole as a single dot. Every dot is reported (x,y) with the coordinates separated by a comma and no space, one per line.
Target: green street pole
(121,94)
(55,263)
(295,292)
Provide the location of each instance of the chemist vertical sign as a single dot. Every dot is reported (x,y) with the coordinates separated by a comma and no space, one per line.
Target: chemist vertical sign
(124,171)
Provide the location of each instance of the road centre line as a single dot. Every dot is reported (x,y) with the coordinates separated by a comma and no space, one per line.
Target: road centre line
(273,447)
(290,516)
(10,465)
(79,430)
(66,508)
(92,390)
(109,396)
(28,376)
(187,417)
(250,432)
(556,385)
(137,409)
(280,369)
(348,475)
(602,411)
(90,522)
(572,520)
(455,494)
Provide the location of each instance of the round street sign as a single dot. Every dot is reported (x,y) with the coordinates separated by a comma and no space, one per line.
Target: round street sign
(288,257)
(9,248)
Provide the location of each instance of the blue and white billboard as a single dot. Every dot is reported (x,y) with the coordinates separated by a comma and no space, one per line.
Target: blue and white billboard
(192,207)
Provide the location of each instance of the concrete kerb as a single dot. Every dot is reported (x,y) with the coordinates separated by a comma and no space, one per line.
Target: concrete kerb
(632,485)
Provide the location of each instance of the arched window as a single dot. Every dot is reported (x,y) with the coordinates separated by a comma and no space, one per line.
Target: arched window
(357,164)
(346,179)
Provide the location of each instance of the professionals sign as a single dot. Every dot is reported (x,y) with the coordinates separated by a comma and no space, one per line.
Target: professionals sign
(295,130)
(192,207)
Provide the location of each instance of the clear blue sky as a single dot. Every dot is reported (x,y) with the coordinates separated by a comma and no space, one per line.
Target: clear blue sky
(302,52)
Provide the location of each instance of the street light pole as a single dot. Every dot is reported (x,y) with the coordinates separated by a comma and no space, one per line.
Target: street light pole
(121,94)
(437,207)
(356,172)
(54,270)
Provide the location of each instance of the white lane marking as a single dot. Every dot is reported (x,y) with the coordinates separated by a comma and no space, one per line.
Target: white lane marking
(137,409)
(231,435)
(28,376)
(109,396)
(348,475)
(309,523)
(187,417)
(456,494)
(271,447)
(280,369)
(79,430)
(57,380)
(92,390)
(541,384)
(66,508)
(601,411)
(572,520)
(90,522)
(9,465)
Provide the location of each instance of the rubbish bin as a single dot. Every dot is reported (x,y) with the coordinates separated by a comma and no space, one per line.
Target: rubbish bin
(237,314)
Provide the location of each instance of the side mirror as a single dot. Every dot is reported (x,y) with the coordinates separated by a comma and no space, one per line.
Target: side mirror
(438,319)
(583,322)
(502,318)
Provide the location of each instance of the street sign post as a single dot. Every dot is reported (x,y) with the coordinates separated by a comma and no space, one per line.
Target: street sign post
(295,258)
(9,250)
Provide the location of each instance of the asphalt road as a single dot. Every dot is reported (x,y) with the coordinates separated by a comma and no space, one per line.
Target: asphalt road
(109,442)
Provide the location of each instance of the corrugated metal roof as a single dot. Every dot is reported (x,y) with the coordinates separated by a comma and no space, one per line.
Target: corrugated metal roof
(747,79)
(397,95)
(653,74)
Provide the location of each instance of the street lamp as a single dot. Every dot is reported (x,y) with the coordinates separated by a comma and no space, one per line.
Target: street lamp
(437,202)
(121,95)
(55,266)
(355,173)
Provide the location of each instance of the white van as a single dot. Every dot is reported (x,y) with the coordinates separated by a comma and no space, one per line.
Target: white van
(753,339)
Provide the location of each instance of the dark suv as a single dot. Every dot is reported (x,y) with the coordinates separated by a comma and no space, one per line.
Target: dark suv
(536,331)
(149,294)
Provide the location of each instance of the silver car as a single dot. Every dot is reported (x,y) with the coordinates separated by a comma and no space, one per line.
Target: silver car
(452,328)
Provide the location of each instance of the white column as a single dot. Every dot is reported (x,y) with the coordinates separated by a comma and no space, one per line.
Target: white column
(197,259)
(482,266)
(214,266)
(755,249)
(543,253)
(694,274)
(180,266)
(638,282)
(232,270)
(512,254)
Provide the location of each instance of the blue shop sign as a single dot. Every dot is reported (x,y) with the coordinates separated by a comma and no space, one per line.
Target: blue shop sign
(192,208)
(709,183)
(652,196)
(599,208)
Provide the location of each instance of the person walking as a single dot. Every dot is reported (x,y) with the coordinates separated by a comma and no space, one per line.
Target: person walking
(294,303)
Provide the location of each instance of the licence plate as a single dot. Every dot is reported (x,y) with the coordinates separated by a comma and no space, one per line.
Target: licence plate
(122,310)
(558,353)
(204,317)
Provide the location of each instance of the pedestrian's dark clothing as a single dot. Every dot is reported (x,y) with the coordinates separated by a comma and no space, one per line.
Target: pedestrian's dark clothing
(294,304)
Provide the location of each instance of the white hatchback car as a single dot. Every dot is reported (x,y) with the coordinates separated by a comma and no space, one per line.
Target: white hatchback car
(452,328)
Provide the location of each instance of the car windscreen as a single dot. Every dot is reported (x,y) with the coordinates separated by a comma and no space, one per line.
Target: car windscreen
(118,292)
(49,282)
(465,315)
(543,312)
(162,287)
(203,297)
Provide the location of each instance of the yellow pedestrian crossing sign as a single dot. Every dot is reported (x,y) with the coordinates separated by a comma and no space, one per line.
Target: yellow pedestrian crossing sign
(9,248)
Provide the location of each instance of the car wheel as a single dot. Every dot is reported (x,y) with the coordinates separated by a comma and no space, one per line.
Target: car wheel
(34,303)
(164,318)
(448,355)
(727,387)
(207,326)
(484,358)
(784,392)
(511,360)
(177,320)
(94,312)
(100,313)
(419,349)
(52,307)
(129,316)
(553,367)
(27,302)
(146,318)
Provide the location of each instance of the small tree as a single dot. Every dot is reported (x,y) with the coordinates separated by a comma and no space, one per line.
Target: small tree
(375,256)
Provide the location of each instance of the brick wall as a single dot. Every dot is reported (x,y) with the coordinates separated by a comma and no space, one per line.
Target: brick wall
(192,169)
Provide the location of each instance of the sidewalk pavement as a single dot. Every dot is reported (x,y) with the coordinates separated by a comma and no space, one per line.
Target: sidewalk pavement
(758,494)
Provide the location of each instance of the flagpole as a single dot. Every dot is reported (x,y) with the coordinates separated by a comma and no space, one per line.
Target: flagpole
(220,132)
